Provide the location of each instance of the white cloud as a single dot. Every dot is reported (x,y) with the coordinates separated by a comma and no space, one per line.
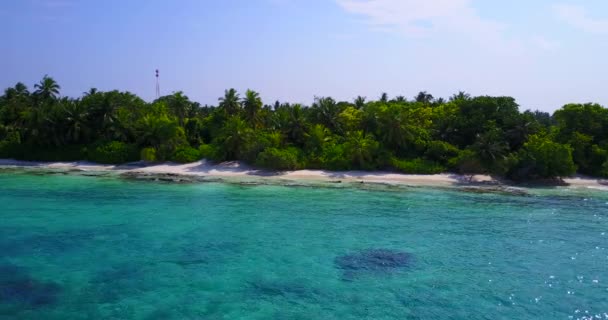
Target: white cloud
(455,19)
(577,16)
(426,18)
(544,43)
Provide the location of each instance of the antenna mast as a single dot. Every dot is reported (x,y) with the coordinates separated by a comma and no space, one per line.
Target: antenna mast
(157,86)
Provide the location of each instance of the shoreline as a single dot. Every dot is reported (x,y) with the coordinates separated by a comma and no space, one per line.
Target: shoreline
(206,171)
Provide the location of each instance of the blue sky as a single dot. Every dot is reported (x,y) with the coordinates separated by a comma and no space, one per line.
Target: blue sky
(545,53)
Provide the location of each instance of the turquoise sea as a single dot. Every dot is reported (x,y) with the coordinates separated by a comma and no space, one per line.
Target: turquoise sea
(75,247)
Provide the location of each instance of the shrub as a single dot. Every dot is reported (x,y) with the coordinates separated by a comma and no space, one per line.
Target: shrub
(148,154)
(209,152)
(114,152)
(32,152)
(361,150)
(466,162)
(541,158)
(9,149)
(604,171)
(417,166)
(334,158)
(279,159)
(504,165)
(440,151)
(256,143)
(186,155)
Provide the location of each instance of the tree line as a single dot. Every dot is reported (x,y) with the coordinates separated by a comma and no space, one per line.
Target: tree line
(423,135)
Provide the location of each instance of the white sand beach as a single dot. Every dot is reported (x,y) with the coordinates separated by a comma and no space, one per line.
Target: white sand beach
(236,170)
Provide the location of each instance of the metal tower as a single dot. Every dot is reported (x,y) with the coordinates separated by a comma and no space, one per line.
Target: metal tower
(157,86)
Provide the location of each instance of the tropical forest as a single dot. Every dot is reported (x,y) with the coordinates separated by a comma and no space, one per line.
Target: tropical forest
(414,135)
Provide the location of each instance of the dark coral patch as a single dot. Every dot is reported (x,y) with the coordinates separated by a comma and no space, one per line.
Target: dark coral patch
(373,261)
(18,287)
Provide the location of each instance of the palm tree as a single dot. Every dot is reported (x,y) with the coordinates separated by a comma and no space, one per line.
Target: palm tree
(19,90)
(326,111)
(491,146)
(384,97)
(157,131)
(316,137)
(394,129)
(461,95)
(360,149)
(252,104)
(104,111)
(359,102)
(76,121)
(235,134)
(518,134)
(47,88)
(400,99)
(180,105)
(44,125)
(424,97)
(91,92)
(230,102)
(297,123)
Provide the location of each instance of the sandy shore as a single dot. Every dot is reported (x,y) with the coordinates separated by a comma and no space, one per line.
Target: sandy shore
(236,171)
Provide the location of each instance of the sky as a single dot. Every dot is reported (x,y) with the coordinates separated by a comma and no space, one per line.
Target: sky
(544,53)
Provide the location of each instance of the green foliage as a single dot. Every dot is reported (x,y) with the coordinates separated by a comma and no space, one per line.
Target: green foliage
(604,170)
(230,103)
(417,166)
(350,119)
(475,116)
(333,157)
(178,104)
(114,152)
(279,159)
(252,105)
(233,138)
(32,152)
(10,149)
(317,137)
(257,142)
(440,151)
(209,152)
(426,135)
(361,150)
(162,133)
(148,154)
(326,111)
(194,130)
(541,158)
(466,162)
(599,158)
(585,128)
(491,146)
(186,154)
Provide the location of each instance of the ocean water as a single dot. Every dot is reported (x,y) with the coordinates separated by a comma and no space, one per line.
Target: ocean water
(74,247)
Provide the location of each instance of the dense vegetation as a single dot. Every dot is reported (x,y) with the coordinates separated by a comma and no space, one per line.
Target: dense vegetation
(424,135)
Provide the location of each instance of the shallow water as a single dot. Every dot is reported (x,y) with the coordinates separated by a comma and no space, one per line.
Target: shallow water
(76,247)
